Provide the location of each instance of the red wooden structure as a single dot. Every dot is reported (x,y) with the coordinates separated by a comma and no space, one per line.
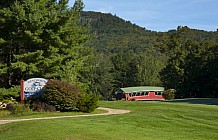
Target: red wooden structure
(143,93)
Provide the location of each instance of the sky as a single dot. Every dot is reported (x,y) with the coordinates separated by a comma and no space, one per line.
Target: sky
(160,15)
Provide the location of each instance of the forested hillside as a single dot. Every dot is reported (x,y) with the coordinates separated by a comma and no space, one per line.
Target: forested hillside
(101,52)
(113,34)
(176,59)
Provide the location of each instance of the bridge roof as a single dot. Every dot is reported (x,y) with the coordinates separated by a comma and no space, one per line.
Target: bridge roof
(142,88)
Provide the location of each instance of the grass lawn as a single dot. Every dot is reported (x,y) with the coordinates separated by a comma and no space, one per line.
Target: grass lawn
(148,120)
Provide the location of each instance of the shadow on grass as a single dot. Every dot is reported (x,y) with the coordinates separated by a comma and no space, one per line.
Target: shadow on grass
(206,101)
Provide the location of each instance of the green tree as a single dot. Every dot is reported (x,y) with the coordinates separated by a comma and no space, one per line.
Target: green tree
(121,69)
(135,69)
(41,38)
(208,75)
(185,71)
(99,76)
(145,70)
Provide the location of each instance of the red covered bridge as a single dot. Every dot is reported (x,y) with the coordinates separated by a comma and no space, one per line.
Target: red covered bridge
(142,93)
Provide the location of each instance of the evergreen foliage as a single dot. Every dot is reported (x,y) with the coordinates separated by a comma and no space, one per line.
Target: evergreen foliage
(7,94)
(40,39)
(99,75)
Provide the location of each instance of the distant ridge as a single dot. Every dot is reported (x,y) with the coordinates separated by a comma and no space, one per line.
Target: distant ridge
(114,34)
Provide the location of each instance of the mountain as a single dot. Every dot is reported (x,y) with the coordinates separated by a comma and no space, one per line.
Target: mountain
(113,34)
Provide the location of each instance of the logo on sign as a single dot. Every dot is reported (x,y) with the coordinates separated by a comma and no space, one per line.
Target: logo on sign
(34,86)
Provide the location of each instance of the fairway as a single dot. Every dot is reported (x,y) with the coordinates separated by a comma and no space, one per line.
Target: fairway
(148,120)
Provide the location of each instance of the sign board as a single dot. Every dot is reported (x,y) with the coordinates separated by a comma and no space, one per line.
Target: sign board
(33,87)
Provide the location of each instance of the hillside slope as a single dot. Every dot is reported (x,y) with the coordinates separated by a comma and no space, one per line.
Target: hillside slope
(113,34)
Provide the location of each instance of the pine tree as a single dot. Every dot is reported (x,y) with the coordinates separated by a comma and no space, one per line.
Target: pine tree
(41,39)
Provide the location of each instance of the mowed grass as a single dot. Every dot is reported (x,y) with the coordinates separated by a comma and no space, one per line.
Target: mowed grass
(148,120)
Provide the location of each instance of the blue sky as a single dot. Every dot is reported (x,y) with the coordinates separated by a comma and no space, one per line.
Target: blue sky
(160,15)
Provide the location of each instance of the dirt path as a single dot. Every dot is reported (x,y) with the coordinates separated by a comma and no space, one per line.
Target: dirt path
(110,112)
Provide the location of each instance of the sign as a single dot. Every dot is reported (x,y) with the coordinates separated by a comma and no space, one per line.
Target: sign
(34,86)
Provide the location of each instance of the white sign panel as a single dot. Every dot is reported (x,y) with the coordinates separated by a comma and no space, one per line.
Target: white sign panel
(33,86)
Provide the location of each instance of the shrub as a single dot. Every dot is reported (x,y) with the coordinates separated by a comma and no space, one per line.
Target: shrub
(18,108)
(5,102)
(4,113)
(168,94)
(42,107)
(88,102)
(38,104)
(132,99)
(61,95)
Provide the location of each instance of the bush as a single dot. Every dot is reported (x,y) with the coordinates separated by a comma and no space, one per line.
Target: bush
(88,102)
(18,108)
(4,113)
(61,95)
(132,99)
(42,107)
(5,102)
(168,94)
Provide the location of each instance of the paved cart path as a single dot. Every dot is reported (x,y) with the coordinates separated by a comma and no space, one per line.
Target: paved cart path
(109,112)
